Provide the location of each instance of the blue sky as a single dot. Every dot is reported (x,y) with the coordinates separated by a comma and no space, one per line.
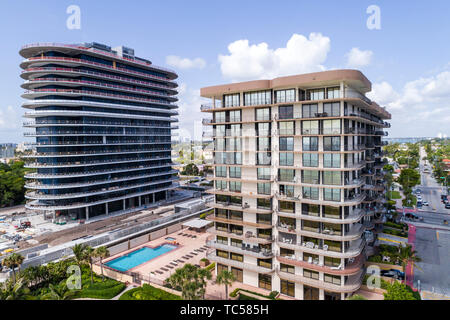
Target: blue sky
(407,60)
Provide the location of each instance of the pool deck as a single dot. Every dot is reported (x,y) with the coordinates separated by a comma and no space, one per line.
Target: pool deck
(187,246)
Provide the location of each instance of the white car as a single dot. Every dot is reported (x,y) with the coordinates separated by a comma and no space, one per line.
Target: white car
(425,203)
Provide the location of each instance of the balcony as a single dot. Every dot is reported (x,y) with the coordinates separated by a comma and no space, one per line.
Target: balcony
(352,284)
(254,251)
(237,264)
(228,220)
(354,232)
(248,237)
(356,247)
(352,267)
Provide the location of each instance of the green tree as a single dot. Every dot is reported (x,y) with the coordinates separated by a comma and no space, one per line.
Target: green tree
(101,253)
(191,280)
(79,251)
(356,297)
(59,293)
(90,254)
(190,170)
(398,291)
(13,261)
(17,290)
(225,278)
(407,255)
(409,178)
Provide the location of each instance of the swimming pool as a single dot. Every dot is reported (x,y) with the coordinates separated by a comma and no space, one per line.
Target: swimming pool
(140,256)
(170,239)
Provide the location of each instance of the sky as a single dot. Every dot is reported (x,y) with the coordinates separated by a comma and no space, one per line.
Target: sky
(215,42)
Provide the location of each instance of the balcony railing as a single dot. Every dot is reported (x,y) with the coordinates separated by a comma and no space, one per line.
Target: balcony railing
(241,265)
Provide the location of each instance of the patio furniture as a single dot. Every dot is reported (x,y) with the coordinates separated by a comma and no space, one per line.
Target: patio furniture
(325,247)
(339,267)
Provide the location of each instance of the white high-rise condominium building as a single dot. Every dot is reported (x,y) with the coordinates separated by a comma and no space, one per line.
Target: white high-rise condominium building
(298,179)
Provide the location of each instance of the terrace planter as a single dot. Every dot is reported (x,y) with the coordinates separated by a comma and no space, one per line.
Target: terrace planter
(204,263)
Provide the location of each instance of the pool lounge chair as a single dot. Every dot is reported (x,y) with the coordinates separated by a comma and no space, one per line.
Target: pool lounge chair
(169,266)
(164,269)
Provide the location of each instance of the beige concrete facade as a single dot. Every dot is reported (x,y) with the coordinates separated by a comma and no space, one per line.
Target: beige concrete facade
(297,178)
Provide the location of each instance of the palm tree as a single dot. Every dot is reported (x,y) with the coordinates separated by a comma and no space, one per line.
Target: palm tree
(13,261)
(89,255)
(191,280)
(408,255)
(101,253)
(59,293)
(15,291)
(226,278)
(79,251)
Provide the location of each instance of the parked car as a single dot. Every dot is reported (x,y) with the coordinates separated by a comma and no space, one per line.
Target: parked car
(425,203)
(393,273)
(447,205)
(412,216)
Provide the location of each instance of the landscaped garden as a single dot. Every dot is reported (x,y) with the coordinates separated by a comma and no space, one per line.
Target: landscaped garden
(148,292)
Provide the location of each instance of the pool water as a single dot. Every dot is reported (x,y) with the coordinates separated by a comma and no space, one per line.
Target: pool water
(138,257)
(170,239)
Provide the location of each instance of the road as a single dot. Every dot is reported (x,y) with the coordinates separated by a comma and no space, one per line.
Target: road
(432,245)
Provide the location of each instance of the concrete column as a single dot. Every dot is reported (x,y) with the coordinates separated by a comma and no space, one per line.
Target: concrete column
(139,201)
(87,213)
(321,294)
(106,208)
(153,197)
(124,204)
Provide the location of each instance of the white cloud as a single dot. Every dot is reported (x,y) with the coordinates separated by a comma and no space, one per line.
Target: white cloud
(357,58)
(421,107)
(185,63)
(9,118)
(258,61)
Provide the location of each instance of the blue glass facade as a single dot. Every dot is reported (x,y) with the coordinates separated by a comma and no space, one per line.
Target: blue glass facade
(102,123)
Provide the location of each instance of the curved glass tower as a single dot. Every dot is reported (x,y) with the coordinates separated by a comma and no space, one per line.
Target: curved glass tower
(102,121)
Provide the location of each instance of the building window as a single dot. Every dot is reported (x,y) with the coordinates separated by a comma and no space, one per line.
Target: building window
(310,293)
(221,267)
(310,143)
(310,209)
(236,257)
(288,191)
(236,243)
(310,159)
(264,188)
(231,100)
(333,93)
(331,143)
(235,186)
(332,178)
(332,279)
(221,185)
(265,281)
(286,206)
(315,94)
(310,127)
(235,116)
(238,274)
(311,274)
(286,175)
(264,144)
(287,128)
(234,144)
(286,112)
(257,98)
(331,126)
(287,288)
(331,160)
(264,219)
(221,172)
(332,212)
(331,194)
(235,172)
(263,129)
(222,240)
(222,254)
(309,110)
(332,109)
(263,173)
(310,176)
(262,203)
(287,268)
(286,144)
(285,95)
(332,262)
(286,159)
(220,116)
(263,114)
(311,193)
(264,158)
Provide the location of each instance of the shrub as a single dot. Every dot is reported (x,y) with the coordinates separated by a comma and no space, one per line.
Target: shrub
(396,225)
(148,292)
(233,294)
(395,232)
(273,294)
(356,297)
(211,266)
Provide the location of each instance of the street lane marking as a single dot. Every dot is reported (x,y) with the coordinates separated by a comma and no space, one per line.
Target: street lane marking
(385,239)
